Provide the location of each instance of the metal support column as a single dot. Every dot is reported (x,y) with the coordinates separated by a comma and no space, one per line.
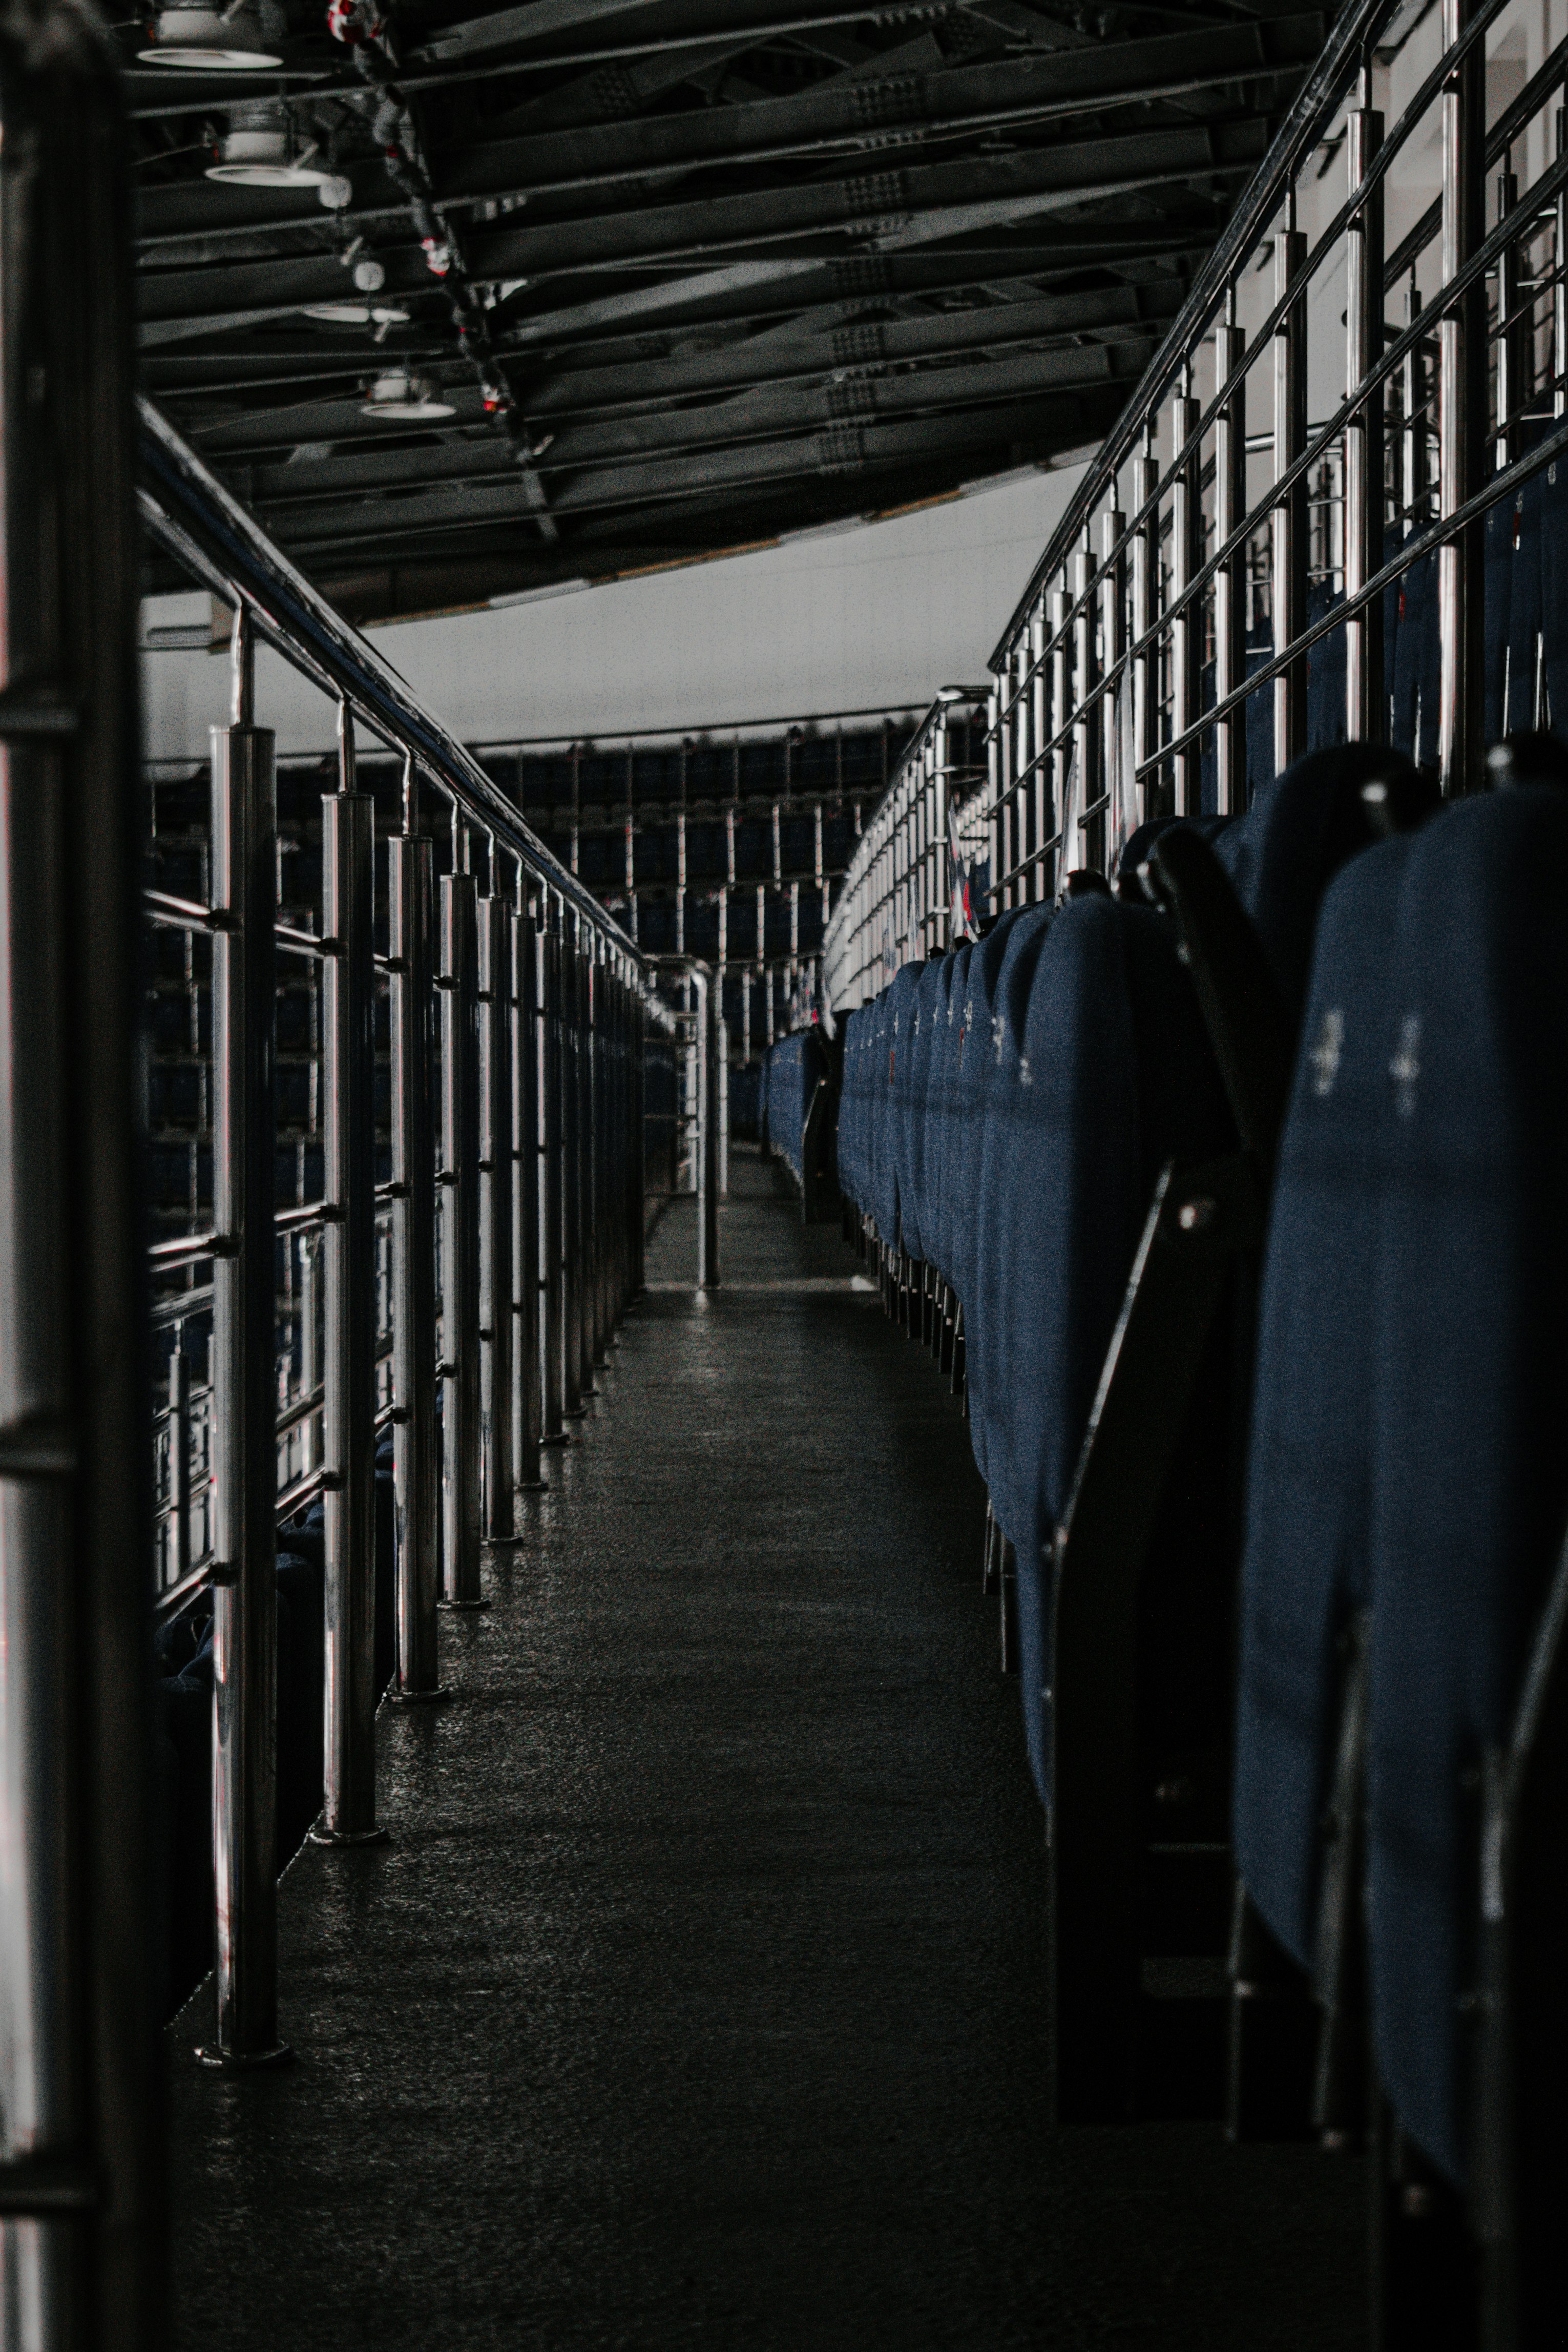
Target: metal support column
(1231,580)
(1289,520)
(411,924)
(1187,628)
(81,2166)
(460,1376)
(497,926)
(1145,613)
(707,1135)
(348,906)
(1461,420)
(1366,707)
(571,1171)
(528,1427)
(552,1157)
(244,1421)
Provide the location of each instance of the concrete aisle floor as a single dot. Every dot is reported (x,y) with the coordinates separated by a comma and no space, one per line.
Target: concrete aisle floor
(697,1998)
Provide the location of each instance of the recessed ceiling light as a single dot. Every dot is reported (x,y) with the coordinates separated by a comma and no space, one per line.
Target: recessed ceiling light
(357,314)
(205,39)
(404,400)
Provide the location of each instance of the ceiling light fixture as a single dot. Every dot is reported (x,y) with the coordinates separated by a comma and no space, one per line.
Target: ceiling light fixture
(257,151)
(357,314)
(403,399)
(208,40)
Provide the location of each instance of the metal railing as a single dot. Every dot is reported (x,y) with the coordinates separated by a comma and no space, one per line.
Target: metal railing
(897,901)
(462,1301)
(522,1182)
(1221,546)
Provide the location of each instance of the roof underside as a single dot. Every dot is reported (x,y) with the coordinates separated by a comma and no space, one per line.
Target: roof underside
(688,273)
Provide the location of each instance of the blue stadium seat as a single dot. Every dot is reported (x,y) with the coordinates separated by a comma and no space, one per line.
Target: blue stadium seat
(1003,1140)
(941,1109)
(1471,1475)
(1282,855)
(1121,1078)
(916,1106)
(1525,617)
(961,1168)
(1498,583)
(1414,668)
(897,1005)
(1304,1566)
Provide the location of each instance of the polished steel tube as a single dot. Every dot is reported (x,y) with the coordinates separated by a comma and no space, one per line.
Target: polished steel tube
(81,2160)
(1289,518)
(552,1170)
(1187,626)
(244,1383)
(708,1135)
(586,1157)
(496,945)
(460,1378)
(1231,580)
(1113,645)
(1366,712)
(1461,420)
(571,1172)
(527,1422)
(349,1247)
(1086,721)
(1146,608)
(1052,791)
(411,924)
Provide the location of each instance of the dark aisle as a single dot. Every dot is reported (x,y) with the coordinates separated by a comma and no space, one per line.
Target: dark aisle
(697,1998)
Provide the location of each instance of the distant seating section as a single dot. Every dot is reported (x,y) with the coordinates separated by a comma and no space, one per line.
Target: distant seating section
(790,1075)
(1287,1116)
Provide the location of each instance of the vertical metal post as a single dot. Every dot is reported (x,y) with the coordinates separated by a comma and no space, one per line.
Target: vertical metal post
(494,927)
(1461,420)
(528,1423)
(1146,612)
(1113,648)
(1052,811)
(1289,520)
(552,1154)
(1365,710)
(348,1245)
(1187,628)
(572,1169)
(1085,722)
(180,1456)
(245,1391)
(1231,580)
(81,2248)
(411,923)
(460,1371)
(707,1135)
(1560,288)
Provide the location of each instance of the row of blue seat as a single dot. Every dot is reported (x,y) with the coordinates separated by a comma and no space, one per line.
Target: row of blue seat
(790,1073)
(185,1653)
(1007,1110)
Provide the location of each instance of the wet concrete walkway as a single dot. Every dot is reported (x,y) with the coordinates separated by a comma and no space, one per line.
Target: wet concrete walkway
(698,1998)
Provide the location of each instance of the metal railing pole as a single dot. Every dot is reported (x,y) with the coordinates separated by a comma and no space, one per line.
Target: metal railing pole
(411,918)
(1366,709)
(571,1172)
(637,1158)
(1289,588)
(497,926)
(707,1135)
(460,1391)
(1231,580)
(552,1154)
(1461,421)
(81,2166)
(243,1380)
(348,1247)
(528,1422)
